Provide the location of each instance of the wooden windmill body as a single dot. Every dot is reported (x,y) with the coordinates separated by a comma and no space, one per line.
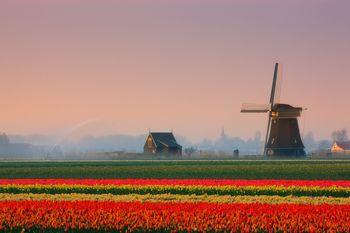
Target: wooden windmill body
(283,135)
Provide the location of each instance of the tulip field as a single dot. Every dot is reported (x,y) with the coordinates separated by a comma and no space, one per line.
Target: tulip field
(192,204)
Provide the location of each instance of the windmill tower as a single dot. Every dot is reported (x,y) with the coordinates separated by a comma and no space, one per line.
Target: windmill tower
(282,135)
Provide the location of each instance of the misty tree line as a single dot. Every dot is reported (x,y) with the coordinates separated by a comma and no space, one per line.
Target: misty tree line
(224,143)
(228,144)
(336,136)
(340,135)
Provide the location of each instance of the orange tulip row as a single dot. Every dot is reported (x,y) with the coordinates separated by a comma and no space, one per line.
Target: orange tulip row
(175,198)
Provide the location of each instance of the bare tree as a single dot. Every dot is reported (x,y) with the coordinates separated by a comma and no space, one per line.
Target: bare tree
(340,135)
(190,150)
(324,145)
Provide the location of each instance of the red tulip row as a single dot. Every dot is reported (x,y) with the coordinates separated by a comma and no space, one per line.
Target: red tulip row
(182,182)
(82,216)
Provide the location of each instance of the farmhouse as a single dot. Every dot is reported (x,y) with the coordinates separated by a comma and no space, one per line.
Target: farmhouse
(162,143)
(341,147)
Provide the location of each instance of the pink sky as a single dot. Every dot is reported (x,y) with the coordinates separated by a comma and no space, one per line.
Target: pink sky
(181,65)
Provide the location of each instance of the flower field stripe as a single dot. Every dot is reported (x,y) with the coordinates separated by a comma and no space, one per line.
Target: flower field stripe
(182,182)
(82,216)
(178,189)
(176,198)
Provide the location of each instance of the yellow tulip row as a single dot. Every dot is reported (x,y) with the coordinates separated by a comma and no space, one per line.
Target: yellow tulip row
(176,198)
(180,189)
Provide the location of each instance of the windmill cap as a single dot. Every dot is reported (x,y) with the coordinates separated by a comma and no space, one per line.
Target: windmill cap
(285,107)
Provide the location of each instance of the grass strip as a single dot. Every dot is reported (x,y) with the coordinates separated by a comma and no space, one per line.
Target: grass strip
(296,169)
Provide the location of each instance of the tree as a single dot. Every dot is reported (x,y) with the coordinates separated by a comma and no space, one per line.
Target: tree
(4,140)
(324,145)
(340,135)
(257,137)
(310,142)
(190,150)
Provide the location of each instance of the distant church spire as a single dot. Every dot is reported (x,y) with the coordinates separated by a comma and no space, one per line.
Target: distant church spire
(223,134)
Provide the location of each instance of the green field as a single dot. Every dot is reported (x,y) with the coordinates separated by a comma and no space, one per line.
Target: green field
(303,169)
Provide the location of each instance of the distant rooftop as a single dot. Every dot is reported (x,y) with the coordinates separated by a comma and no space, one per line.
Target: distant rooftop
(164,138)
(344,145)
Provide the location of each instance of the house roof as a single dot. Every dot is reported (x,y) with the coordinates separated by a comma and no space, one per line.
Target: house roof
(345,145)
(164,139)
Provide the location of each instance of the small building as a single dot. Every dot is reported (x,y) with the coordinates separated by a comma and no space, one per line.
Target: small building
(162,143)
(341,147)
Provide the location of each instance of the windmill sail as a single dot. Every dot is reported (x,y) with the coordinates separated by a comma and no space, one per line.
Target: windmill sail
(255,108)
(279,81)
(274,85)
(272,102)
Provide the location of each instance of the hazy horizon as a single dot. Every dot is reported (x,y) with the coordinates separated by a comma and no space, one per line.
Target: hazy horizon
(126,66)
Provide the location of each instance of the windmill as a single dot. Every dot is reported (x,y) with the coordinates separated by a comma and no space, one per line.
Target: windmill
(282,135)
